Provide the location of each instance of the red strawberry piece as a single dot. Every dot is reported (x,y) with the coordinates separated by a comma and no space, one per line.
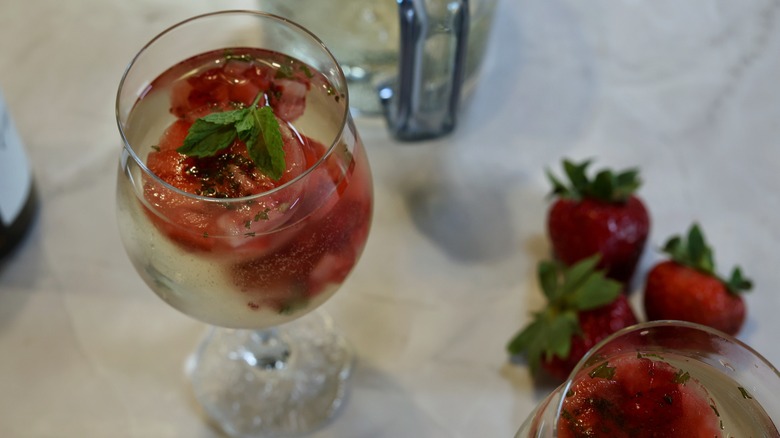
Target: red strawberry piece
(171,167)
(260,75)
(598,216)
(322,252)
(634,396)
(174,136)
(323,248)
(288,98)
(222,88)
(583,308)
(688,288)
(209,88)
(230,174)
(180,98)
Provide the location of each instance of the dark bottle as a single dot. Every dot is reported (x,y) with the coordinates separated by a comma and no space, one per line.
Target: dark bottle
(18,199)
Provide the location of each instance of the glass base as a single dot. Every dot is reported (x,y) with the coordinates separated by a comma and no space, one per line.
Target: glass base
(285,381)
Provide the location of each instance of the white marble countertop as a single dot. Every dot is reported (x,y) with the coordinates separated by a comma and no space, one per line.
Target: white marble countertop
(688,93)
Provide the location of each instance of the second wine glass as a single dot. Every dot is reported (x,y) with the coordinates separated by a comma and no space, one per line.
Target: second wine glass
(244,200)
(663,378)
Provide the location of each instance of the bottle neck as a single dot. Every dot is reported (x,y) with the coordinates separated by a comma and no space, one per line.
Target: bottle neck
(14,232)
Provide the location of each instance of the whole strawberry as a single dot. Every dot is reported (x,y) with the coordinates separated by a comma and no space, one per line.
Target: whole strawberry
(598,216)
(583,308)
(688,288)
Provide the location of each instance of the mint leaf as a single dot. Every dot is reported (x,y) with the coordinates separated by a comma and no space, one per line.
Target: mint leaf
(256,127)
(682,377)
(267,151)
(603,371)
(205,139)
(226,117)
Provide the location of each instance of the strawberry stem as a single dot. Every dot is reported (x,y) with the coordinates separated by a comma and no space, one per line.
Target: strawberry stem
(606,186)
(568,291)
(694,252)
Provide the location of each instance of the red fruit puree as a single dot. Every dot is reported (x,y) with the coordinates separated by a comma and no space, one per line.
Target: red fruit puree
(635,396)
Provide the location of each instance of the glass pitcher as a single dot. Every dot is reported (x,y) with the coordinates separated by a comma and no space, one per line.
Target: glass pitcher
(411,60)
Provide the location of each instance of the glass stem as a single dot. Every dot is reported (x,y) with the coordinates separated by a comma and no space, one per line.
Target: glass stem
(266,349)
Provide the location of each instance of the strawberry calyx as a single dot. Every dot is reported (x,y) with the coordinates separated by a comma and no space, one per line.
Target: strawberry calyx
(606,186)
(694,252)
(568,291)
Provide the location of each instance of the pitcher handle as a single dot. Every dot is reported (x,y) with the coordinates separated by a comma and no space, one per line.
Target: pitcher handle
(423,101)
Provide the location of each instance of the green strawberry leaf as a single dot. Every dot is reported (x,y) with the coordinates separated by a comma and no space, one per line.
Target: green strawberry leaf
(605,186)
(561,328)
(737,283)
(675,248)
(531,342)
(700,254)
(577,273)
(594,292)
(626,183)
(694,252)
(568,291)
(559,188)
(547,273)
(576,174)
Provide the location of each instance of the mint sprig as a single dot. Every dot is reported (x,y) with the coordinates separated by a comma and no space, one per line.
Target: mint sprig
(694,252)
(256,126)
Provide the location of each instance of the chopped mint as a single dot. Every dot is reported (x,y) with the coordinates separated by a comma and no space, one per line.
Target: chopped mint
(603,371)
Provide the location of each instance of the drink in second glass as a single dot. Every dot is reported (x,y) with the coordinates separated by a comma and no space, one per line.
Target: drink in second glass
(668,378)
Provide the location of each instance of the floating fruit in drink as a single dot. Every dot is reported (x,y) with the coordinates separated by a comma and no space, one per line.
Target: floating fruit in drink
(279,218)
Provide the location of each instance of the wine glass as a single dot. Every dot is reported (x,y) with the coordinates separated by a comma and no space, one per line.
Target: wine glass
(246,246)
(682,378)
